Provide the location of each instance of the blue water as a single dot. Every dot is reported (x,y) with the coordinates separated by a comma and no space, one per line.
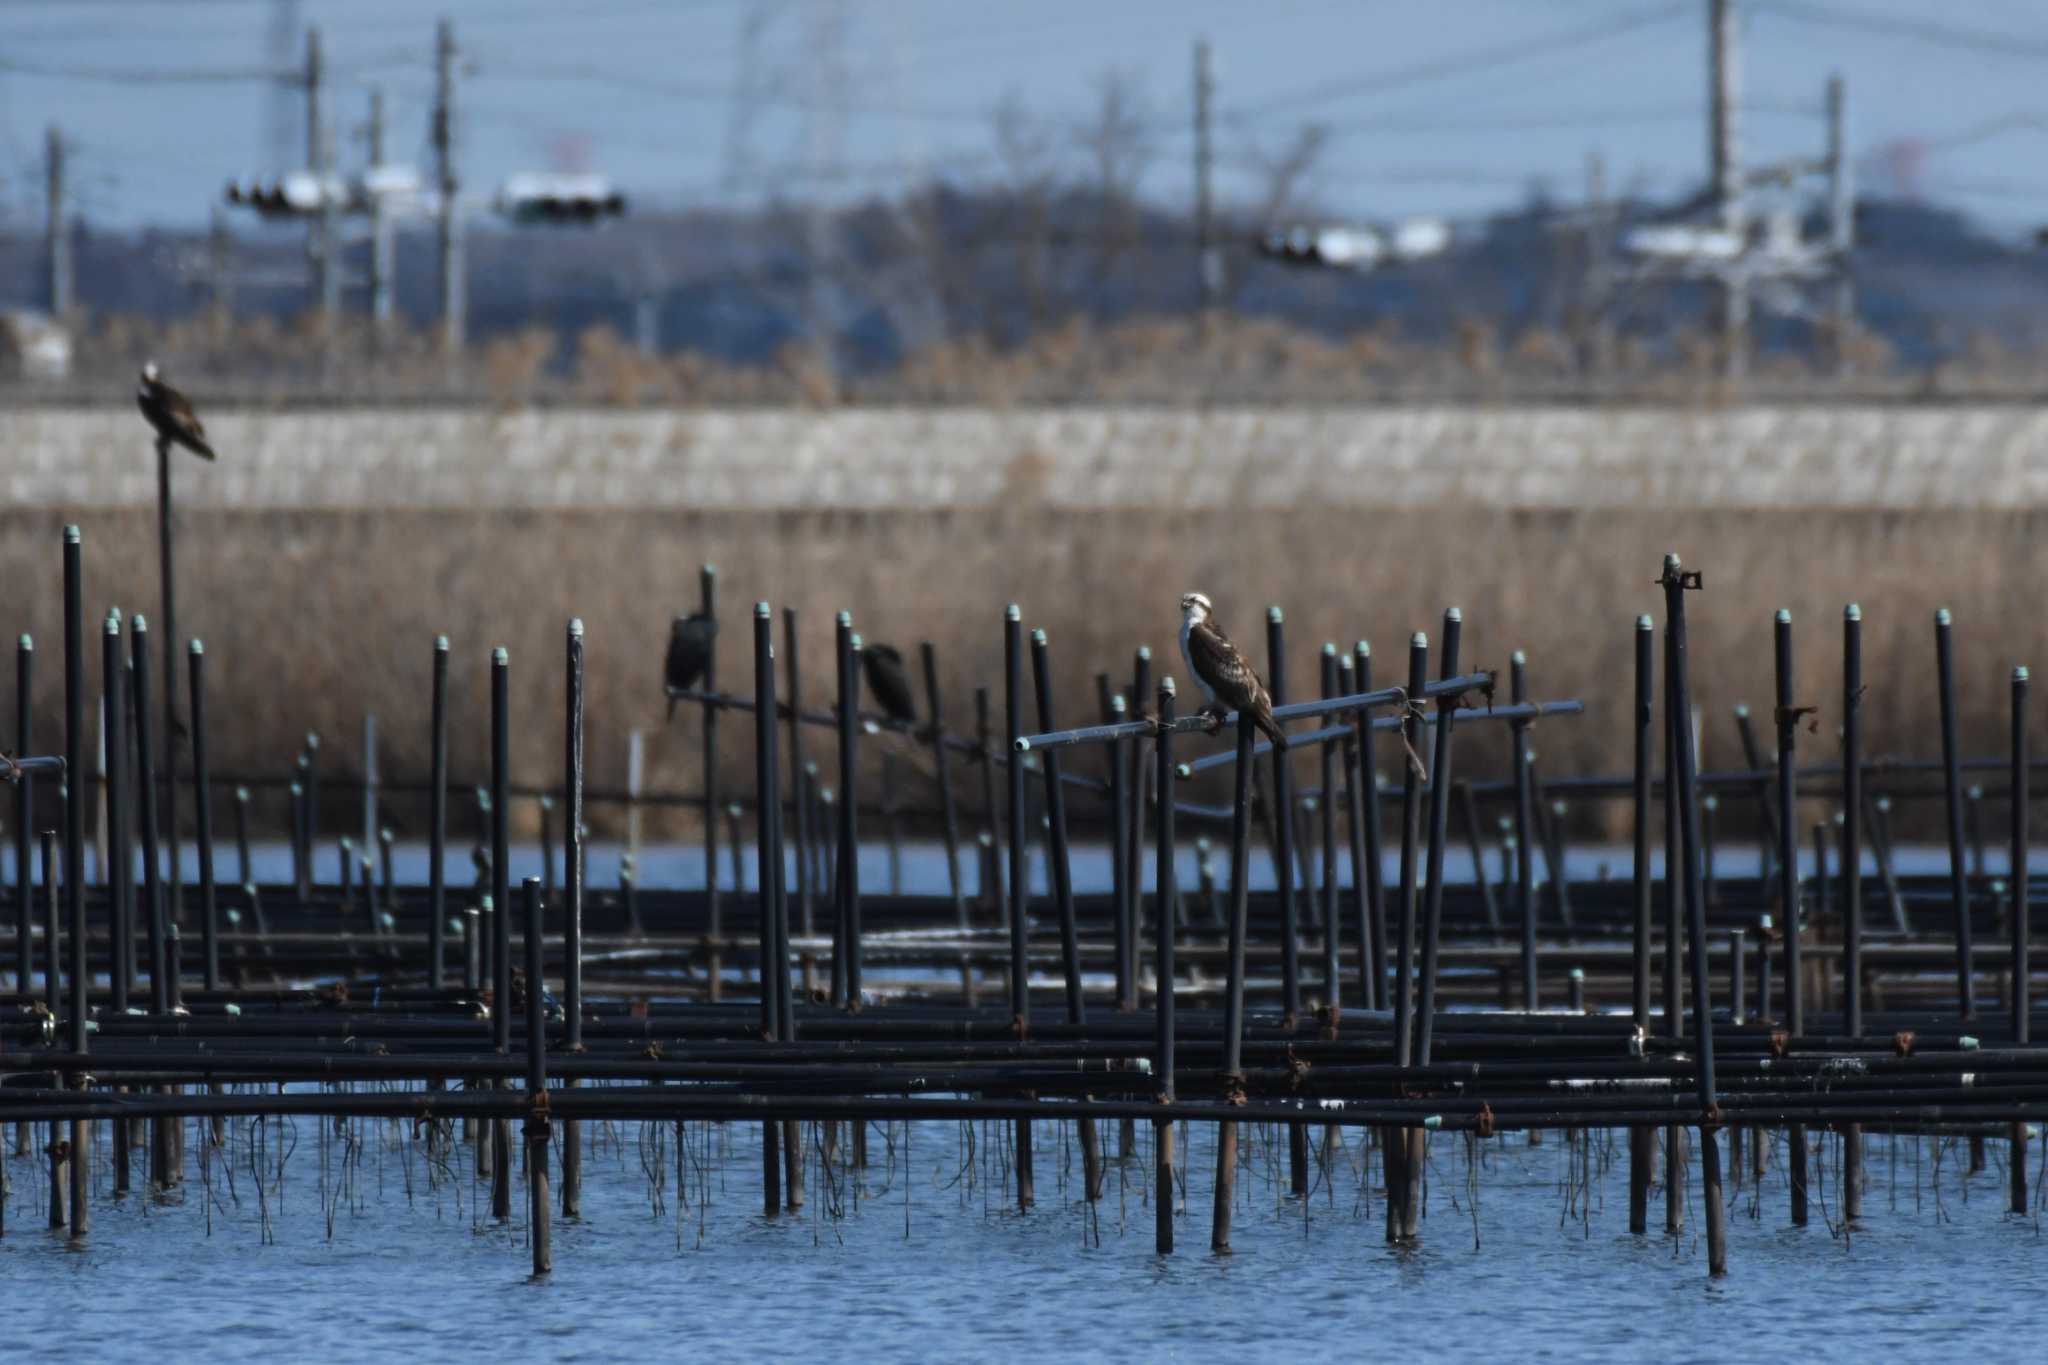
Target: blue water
(932,1263)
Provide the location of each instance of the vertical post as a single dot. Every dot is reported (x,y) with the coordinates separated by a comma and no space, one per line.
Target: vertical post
(1020,1001)
(799,802)
(1952,789)
(53,1000)
(1233,1000)
(1331,749)
(1056,814)
(74,850)
(24,814)
(1354,815)
(449,221)
(707,588)
(1411,825)
(1163,967)
(1788,888)
(1675,583)
(1374,925)
(1525,829)
(950,817)
(1283,822)
(1141,780)
(1852,883)
(146,812)
(1439,829)
(572,921)
(2022,985)
(57,238)
(1123,895)
(767,804)
(846,962)
(370,782)
(120,858)
(202,810)
(437,819)
(501,917)
(1640,1144)
(537,1126)
(167,575)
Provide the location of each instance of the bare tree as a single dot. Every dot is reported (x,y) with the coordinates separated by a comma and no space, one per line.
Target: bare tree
(1119,144)
(1024,148)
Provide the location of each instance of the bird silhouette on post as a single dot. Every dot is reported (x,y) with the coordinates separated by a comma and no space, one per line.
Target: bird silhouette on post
(171,414)
(889,684)
(1226,677)
(689,654)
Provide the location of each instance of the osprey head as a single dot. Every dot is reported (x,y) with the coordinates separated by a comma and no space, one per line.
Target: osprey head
(1195,607)
(149,372)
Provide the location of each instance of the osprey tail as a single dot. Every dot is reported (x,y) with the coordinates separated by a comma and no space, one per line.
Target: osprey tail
(1263,718)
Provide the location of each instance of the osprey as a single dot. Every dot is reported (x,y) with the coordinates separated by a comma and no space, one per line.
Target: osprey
(170,414)
(883,665)
(689,653)
(1227,678)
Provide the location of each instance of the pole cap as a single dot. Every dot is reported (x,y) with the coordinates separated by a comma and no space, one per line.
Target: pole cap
(576,627)
(1644,622)
(138,622)
(1784,616)
(1273,616)
(1519,658)
(1419,640)
(500,656)
(196,648)
(1013,612)
(1852,612)
(440,644)
(1453,614)
(762,612)
(1038,635)
(1941,616)
(26,641)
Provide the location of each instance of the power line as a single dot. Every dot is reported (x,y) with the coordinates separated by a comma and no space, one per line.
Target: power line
(1465,63)
(144,75)
(1940,34)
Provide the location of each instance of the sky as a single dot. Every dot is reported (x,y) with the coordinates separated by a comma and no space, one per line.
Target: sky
(1444,109)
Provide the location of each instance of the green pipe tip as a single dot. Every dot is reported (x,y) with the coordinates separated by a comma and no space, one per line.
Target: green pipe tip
(1578,974)
(71,536)
(854,641)
(1363,647)
(297,789)
(440,644)
(1976,792)
(1941,616)
(761,610)
(1852,612)
(1742,710)
(2019,674)
(241,793)
(1183,771)
(1419,640)
(1144,651)
(1330,648)
(196,647)
(501,656)
(1643,622)
(1038,636)
(138,622)
(1021,745)
(26,642)
(1013,613)
(1670,563)
(576,627)
(845,619)
(1166,685)
(1116,704)
(312,739)
(1518,658)
(1784,617)
(1453,614)
(1273,615)
(711,569)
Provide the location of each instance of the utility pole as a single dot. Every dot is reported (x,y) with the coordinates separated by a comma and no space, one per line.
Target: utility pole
(1208,262)
(1724,152)
(452,303)
(1841,224)
(59,239)
(1594,340)
(380,229)
(320,158)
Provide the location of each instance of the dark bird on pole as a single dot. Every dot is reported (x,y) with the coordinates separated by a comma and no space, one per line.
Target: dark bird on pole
(888,682)
(170,413)
(1227,678)
(689,653)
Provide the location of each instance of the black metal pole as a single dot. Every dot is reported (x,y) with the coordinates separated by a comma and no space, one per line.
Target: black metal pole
(1056,815)
(572,919)
(1525,830)
(174,907)
(1333,992)
(120,864)
(537,1125)
(1640,1142)
(501,892)
(1375,925)
(1163,966)
(1439,832)
(437,820)
(1789,907)
(1232,1077)
(799,801)
(1852,821)
(2022,901)
(202,808)
(707,587)
(77,793)
(146,816)
(848,976)
(1283,822)
(1411,829)
(766,800)
(1952,790)
(1013,709)
(24,815)
(1354,829)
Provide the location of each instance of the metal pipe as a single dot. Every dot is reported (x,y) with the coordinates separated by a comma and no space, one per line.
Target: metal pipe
(1525,832)
(437,821)
(1374,925)
(1163,967)
(1411,828)
(1439,830)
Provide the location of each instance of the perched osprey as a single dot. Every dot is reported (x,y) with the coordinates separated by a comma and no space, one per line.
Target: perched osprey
(689,653)
(170,414)
(1227,678)
(883,665)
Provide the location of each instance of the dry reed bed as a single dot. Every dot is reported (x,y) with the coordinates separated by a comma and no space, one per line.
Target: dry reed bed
(1420,456)
(313,617)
